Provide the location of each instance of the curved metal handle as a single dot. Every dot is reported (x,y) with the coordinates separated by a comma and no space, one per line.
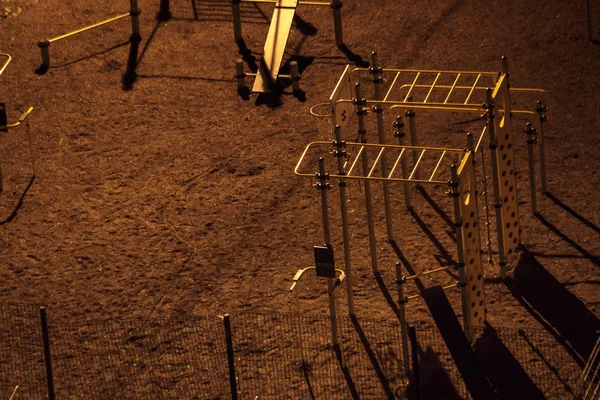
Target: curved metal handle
(22,118)
(8,60)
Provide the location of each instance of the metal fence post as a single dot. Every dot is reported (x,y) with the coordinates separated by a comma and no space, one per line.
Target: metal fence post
(47,359)
(230,357)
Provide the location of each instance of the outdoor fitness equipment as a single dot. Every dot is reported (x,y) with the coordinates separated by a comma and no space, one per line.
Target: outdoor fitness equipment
(279,31)
(462,188)
(134,13)
(5,126)
(485,94)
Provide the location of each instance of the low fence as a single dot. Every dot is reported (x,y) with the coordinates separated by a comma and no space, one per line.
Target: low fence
(276,356)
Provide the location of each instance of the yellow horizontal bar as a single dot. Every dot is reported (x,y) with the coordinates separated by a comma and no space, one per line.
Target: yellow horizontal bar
(431,271)
(428,71)
(414,296)
(66,35)
(8,59)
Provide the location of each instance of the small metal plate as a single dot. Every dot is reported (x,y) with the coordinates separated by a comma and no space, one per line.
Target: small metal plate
(324,262)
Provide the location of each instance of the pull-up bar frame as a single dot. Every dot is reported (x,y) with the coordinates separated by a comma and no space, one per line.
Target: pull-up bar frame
(134,13)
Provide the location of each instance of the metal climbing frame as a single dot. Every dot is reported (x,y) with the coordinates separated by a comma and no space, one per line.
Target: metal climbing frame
(461,180)
(457,92)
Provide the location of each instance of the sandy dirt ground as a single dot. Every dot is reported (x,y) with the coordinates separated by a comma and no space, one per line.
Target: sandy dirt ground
(177,196)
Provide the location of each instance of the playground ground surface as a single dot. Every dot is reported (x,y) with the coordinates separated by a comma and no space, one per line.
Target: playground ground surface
(176,197)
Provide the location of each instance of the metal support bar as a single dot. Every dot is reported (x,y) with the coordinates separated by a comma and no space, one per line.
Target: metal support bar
(416,167)
(541,111)
(400,134)
(44,45)
(531,140)
(403,325)
(295,76)
(366,184)
(323,186)
(240,75)
(340,153)
(134,12)
(472,89)
(336,5)
(452,88)
(420,274)
(414,141)
(237,19)
(375,70)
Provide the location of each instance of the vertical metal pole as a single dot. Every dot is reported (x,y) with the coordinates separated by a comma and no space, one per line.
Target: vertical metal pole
(460,265)
(295,76)
(230,357)
(531,140)
(240,75)
(362,132)
(237,19)
(543,118)
(402,300)
(401,135)
(323,186)
(336,5)
(134,12)
(412,332)
(163,13)
(497,201)
(376,72)
(299,321)
(340,153)
(45,50)
(414,141)
(47,358)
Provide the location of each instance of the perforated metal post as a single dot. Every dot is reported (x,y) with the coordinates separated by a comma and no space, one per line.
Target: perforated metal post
(531,140)
(237,19)
(401,135)
(336,5)
(402,300)
(362,132)
(295,76)
(490,114)
(460,265)
(323,185)
(340,153)
(240,75)
(376,73)
(543,118)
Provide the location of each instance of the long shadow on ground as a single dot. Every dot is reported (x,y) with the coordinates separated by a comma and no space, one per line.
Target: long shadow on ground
(503,370)
(556,308)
